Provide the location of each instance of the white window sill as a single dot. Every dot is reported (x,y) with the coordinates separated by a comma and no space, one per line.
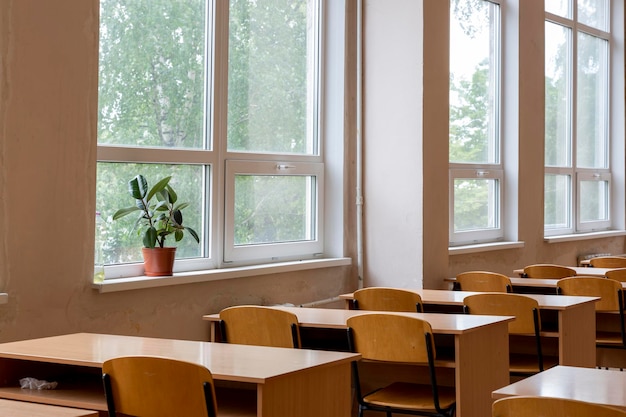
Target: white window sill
(584,236)
(4,298)
(135,283)
(483,247)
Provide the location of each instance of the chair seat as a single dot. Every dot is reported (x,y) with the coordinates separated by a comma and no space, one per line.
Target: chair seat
(411,396)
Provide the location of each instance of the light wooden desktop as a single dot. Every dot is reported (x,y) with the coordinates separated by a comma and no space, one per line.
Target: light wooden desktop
(278,382)
(574,325)
(532,285)
(600,386)
(580,270)
(477,365)
(11,408)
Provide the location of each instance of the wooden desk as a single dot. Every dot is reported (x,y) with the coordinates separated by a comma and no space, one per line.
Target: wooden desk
(479,343)
(532,285)
(580,270)
(584,384)
(10,408)
(278,382)
(575,320)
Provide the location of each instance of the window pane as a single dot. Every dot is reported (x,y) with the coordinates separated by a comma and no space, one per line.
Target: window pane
(152,73)
(474,82)
(559,7)
(476,204)
(274,209)
(122,242)
(594,204)
(558,96)
(594,13)
(272,76)
(556,204)
(592,120)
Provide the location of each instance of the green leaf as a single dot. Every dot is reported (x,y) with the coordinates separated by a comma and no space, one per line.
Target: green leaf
(123,212)
(178,234)
(172,197)
(150,237)
(159,186)
(193,233)
(177,218)
(137,187)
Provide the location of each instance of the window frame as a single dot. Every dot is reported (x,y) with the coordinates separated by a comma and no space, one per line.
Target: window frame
(495,170)
(576,173)
(215,159)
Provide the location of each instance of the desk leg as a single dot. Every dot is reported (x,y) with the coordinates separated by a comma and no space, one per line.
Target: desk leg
(322,391)
(577,336)
(482,366)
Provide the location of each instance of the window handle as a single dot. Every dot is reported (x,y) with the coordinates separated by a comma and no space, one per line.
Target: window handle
(281,167)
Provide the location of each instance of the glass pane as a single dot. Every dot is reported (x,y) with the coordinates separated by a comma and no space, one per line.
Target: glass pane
(559,7)
(594,201)
(558,96)
(592,113)
(272,76)
(474,82)
(556,204)
(274,209)
(152,73)
(122,241)
(594,13)
(476,204)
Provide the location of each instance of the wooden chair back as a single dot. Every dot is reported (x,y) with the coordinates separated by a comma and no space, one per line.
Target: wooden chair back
(548,271)
(403,338)
(609,290)
(608,262)
(483,281)
(158,387)
(390,337)
(387,299)
(525,310)
(261,326)
(618,274)
(528,406)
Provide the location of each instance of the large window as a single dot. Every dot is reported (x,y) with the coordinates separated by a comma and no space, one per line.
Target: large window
(237,127)
(476,172)
(578,176)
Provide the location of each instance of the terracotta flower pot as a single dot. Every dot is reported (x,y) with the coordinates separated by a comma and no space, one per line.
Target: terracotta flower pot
(158,262)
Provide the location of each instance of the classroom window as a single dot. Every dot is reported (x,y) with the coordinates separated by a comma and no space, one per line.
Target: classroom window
(237,128)
(577,64)
(476,171)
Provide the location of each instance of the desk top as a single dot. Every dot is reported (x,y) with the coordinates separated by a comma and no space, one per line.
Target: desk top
(441,323)
(227,362)
(12,408)
(584,384)
(447,297)
(532,282)
(580,270)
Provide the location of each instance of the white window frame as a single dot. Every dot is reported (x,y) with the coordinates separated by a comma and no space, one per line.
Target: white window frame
(467,237)
(219,178)
(577,174)
(310,248)
(493,171)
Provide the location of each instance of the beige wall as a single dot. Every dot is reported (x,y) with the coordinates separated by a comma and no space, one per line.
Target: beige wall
(48,106)
(400,249)
(48,97)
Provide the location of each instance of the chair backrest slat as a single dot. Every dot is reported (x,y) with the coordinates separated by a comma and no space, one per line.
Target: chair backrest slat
(387,299)
(261,326)
(548,271)
(483,281)
(529,406)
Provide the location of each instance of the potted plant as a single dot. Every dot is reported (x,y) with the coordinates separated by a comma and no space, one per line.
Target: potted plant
(161,216)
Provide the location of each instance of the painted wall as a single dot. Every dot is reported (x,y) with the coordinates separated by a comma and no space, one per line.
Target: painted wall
(48,98)
(406,150)
(48,105)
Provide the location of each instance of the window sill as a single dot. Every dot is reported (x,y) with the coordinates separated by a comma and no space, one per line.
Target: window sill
(4,298)
(135,283)
(483,247)
(584,236)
